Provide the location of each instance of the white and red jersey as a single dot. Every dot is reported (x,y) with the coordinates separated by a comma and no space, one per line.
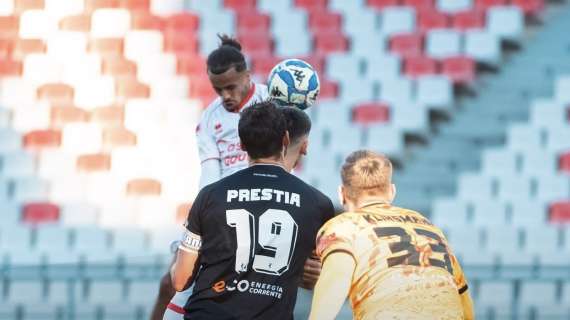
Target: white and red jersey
(217,132)
(218,138)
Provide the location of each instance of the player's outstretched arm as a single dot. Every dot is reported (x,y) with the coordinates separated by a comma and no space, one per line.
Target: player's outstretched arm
(333,286)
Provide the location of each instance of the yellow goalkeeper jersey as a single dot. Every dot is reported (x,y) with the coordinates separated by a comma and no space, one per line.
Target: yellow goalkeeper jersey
(404,266)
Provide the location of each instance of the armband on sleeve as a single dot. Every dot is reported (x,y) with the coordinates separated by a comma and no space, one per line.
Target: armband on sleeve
(191,242)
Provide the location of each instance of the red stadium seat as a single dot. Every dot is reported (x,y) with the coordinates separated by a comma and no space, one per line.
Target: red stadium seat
(56,93)
(183,21)
(486,4)
(91,5)
(80,23)
(312,5)
(254,22)
(181,43)
(119,67)
(23,47)
(431,19)
(415,67)
(118,137)
(135,5)
(323,21)
(329,89)
(381,4)
(255,45)
(108,117)
(130,87)
(40,212)
(10,68)
(420,5)
(107,46)
(141,20)
(371,113)
(94,162)
(262,65)
(143,187)
(38,139)
(468,20)
(326,43)
(530,7)
(23,5)
(191,64)
(560,212)
(407,44)
(564,162)
(459,69)
(6,47)
(316,61)
(9,26)
(240,5)
(63,114)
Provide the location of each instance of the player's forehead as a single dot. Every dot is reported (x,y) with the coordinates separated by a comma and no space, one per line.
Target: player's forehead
(228,78)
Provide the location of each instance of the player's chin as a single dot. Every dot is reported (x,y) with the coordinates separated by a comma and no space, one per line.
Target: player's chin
(231,106)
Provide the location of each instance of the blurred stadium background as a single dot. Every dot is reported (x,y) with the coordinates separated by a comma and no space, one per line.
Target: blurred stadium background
(99,100)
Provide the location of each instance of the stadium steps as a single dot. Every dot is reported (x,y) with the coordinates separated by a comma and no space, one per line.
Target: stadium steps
(480,121)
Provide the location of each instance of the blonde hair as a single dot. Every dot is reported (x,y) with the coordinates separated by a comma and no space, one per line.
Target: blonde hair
(365,172)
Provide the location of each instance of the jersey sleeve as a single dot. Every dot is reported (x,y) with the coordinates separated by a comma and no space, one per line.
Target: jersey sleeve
(207,148)
(193,222)
(458,275)
(337,235)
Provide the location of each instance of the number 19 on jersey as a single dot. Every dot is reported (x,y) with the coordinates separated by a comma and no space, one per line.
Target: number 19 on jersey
(276,232)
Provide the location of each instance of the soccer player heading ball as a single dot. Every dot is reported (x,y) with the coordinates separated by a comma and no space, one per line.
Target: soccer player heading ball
(392,262)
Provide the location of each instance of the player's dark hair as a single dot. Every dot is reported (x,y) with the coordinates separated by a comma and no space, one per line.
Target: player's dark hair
(298,123)
(228,55)
(261,130)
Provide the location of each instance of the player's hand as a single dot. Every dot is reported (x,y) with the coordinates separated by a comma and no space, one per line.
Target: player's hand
(311,272)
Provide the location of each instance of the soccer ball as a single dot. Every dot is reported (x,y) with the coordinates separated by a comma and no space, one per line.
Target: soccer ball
(294,82)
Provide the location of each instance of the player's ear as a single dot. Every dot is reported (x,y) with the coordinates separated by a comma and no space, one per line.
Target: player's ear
(286,140)
(393,195)
(341,196)
(304,147)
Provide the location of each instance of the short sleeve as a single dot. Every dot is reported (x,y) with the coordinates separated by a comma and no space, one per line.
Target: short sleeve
(337,235)
(458,275)
(207,148)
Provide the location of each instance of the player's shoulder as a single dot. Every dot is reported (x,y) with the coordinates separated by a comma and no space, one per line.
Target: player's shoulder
(346,221)
(212,109)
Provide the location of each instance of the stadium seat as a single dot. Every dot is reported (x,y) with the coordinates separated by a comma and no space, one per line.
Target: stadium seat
(505,22)
(407,44)
(18,164)
(110,23)
(28,189)
(482,46)
(15,238)
(240,6)
(54,163)
(560,212)
(442,44)
(166,7)
(396,92)
(430,19)
(149,218)
(92,5)
(7,8)
(385,139)
(371,113)
(144,20)
(26,291)
(382,4)
(133,241)
(546,112)
(10,140)
(524,138)
(475,187)
(56,93)
(78,214)
(11,215)
(256,44)
(195,65)
(106,46)
(90,239)
(454,6)
(495,294)
(143,187)
(499,161)
(562,85)
(23,47)
(415,67)
(38,139)
(10,68)
(37,24)
(541,238)
(181,43)
(161,239)
(102,292)
(16,92)
(9,25)
(539,164)
(175,87)
(148,41)
(135,5)
(356,90)
(514,188)
(326,43)
(383,67)
(461,70)
(532,7)
(95,92)
(254,22)
(182,21)
(435,91)
(40,69)
(341,66)
(131,88)
(490,213)
(396,20)
(108,117)
(488,4)
(81,138)
(538,294)
(94,162)
(65,8)
(39,213)
(80,69)
(553,188)
(79,23)
(149,68)
(311,5)
(118,137)
(119,67)
(66,45)
(323,21)
(5,194)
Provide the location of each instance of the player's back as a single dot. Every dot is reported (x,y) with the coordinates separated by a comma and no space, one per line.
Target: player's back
(404,267)
(258,227)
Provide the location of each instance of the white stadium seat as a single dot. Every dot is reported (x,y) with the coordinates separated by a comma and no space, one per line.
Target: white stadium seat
(90,239)
(368,44)
(454,6)
(27,189)
(435,91)
(490,213)
(482,46)
(397,20)
(274,6)
(10,140)
(81,69)
(167,88)
(397,91)
(562,89)
(546,112)
(141,44)
(450,213)
(383,67)
(106,292)
(37,24)
(26,291)
(553,188)
(541,238)
(10,216)
(153,66)
(385,139)
(130,240)
(558,139)
(60,8)
(31,117)
(78,214)
(514,188)
(166,7)
(443,43)
(6,7)
(494,293)
(66,45)
(340,66)
(79,138)
(110,23)
(473,186)
(16,92)
(40,69)
(95,92)
(522,137)
(500,161)
(18,164)
(538,293)
(539,163)
(505,22)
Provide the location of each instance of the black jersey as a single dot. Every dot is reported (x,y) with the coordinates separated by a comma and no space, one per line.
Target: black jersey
(258,226)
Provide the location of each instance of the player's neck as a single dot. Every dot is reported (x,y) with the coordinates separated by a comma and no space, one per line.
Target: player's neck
(364,202)
(268,161)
